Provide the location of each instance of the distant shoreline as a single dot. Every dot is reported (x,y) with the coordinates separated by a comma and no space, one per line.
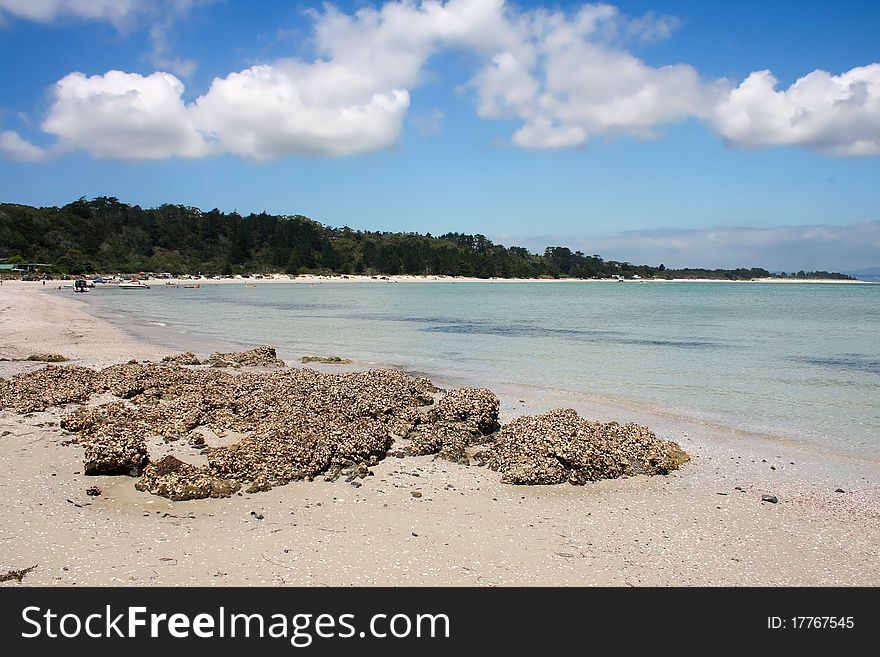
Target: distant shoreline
(412,278)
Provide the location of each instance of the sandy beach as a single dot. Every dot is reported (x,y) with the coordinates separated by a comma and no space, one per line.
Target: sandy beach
(704,524)
(411,278)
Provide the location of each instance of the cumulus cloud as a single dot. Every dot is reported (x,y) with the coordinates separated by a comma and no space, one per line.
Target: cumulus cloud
(124,116)
(321,109)
(115,12)
(566,76)
(786,248)
(14,147)
(835,114)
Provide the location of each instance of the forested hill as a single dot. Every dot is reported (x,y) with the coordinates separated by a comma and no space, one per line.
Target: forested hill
(104,235)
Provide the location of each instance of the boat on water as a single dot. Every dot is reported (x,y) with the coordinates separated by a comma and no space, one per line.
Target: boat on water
(133,285)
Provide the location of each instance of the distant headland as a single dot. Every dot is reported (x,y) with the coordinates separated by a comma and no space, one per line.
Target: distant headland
(106,235)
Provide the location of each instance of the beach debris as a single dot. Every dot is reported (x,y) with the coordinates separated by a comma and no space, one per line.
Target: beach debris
(172,478)
(17,575)
(415,493)
(186,358)
(839,490)
(333,360)
(769,498)
(560,446)
(47,358)
(93,491)
(260,357)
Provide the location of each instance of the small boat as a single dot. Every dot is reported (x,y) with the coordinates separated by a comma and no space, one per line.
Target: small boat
(133,285)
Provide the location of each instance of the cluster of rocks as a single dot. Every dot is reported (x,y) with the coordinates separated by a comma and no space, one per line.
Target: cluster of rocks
(186,358)
(172,478)
(461,419)
(560,446)
(47,358)
(332,360)
(260,357)
(300,424)
(264,356)
(51,386)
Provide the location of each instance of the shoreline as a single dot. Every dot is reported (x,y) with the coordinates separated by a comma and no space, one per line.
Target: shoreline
(415,278)
(438,278)
(702,525)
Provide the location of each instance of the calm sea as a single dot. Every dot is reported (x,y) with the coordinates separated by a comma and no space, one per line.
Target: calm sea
(799,361)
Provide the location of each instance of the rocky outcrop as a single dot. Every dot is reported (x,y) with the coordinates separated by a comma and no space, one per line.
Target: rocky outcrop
(332,360)
(462,418)
(186,358)
(51,386)
(260,357)
(560,446)
(172,478)
(300,424)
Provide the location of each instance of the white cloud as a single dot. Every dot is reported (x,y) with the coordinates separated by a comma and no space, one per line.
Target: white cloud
(566,76)
(570,78)
(115,12)
(834,114)
(294,108)
(124,116)
(14,147)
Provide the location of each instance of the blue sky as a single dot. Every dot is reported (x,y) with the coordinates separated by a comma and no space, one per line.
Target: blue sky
(644,131)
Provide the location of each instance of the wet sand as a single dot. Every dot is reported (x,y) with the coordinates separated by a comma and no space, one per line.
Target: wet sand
(702,525)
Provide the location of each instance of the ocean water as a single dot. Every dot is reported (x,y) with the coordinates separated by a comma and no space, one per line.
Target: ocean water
(799,361)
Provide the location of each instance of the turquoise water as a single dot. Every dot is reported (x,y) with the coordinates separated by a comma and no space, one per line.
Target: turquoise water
(799,361)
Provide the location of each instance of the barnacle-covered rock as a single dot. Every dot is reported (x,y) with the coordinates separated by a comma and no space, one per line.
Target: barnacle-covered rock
(260,357)
(172,478)
(331,360)
(293,424)
(560,446)
(51,386)
(462,418)
(186,358)
(475,408)
(275,459)
(107,454)
(47,358)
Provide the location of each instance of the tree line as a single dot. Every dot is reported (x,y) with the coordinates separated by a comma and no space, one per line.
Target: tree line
(104,235)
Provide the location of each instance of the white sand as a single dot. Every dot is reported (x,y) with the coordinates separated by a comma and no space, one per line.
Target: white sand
(466,529)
